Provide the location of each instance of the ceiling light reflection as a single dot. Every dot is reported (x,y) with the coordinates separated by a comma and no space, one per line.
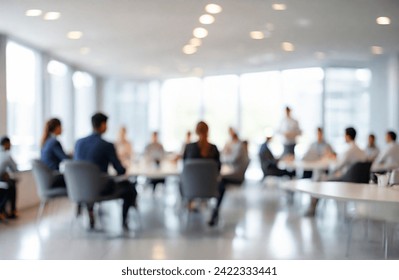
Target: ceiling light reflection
(207,19)
(74,35)
(52,16)
(200,32)
(257,35)
(383,20)
(287,46)
(279,7)
(213,8)
(33,13)
(189,49)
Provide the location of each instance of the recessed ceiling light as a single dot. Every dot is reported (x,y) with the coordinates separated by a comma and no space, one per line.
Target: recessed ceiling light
(33,13)
(74,35)
(196,42)
(383,20)
(213,8)
(207,19)
(287,46)
(51,16)
(84,50)
(200,32)
(257,35)
(189,49)
(198,71)
(279,7)
(377,50)
(320,55)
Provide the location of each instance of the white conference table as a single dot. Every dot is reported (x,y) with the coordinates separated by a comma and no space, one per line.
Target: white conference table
(165,169)
(344,191)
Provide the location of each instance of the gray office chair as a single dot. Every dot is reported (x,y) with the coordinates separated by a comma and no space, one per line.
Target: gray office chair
(86,184)
(46,190)
(199,179)
(358,172)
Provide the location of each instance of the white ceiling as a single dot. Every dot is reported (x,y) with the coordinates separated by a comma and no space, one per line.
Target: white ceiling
(143,39)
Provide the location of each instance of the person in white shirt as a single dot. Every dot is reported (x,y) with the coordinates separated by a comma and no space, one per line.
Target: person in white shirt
(7,168)
(319,149)
(388,159)
(372,149)
(289,129)
(229,146)
(154,152)
(352,155)
(124,148)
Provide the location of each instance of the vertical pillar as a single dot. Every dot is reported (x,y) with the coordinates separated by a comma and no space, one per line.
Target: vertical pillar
(3,86)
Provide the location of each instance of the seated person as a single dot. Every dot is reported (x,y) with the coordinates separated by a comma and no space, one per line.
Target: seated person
(7,167)
(203,149)
(388,159)
(52,153)
(238,161)
(269,162)
(317,151)
(154,152)
(102,153)
(352,155)
(371,150)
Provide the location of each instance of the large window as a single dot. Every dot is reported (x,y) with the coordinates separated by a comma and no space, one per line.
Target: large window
(181,104)
(221,109)
(85,103)
(61,100)
(23,102)
(346,104)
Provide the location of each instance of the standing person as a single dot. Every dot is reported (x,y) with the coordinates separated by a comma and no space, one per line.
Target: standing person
(289,129)
(202,149)
(52,152)
(102,153)
(7,167)
(124,148)
(372,149)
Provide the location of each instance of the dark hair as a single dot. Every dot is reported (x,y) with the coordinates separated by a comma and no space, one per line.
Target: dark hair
(97,119)
(4,140)
(371,135)
(392,135)
(351,132)
(320,129)
(49,128)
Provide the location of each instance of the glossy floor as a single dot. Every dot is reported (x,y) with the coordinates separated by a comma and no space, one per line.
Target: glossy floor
(257,222)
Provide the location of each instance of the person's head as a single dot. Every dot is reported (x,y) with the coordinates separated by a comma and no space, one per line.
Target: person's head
(390,136)
(5,143)
(99,122)
(319,134)
(188,136)
(288,111)
(202,130)
(371,140)
(234,137)
(231,131)
(52,127)
(350,134)
(154,137)
(122,133)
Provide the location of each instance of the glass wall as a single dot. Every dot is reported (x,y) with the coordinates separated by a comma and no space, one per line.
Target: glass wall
(85,103)
(346,104)
(221,109)
(181,101)
(23,102)
(61,100)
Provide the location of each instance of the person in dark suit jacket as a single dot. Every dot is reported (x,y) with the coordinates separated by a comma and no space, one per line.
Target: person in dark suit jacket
(102,153)
(269,163)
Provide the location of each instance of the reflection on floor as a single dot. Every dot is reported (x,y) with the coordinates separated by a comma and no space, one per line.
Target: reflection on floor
(257,223)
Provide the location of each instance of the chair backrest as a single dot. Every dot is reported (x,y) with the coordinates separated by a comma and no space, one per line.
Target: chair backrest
(199,178)
(84,181)
(359,172)
(43,177)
